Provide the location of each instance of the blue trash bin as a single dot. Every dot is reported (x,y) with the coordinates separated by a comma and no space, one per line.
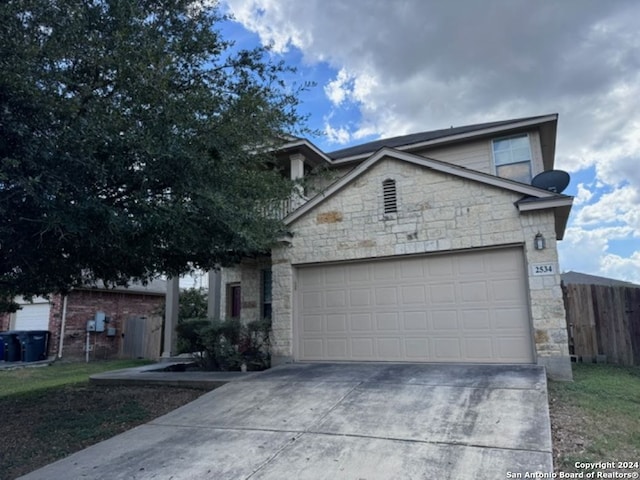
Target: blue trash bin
(34,345)
(12,352)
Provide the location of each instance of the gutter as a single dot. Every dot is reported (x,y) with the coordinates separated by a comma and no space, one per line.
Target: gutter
(62,324)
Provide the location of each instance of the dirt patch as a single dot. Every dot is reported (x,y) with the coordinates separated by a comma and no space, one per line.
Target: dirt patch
(42,427)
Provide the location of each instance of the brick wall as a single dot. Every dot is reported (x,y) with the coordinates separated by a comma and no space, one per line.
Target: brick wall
(82,305)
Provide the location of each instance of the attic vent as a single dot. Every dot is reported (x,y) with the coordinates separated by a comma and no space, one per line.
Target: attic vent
(389,196)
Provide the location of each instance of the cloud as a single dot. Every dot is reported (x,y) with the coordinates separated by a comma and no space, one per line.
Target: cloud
(583,196)
(615,207)
(626,268)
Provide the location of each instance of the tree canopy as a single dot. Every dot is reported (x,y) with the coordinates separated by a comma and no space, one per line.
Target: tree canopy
(134,140)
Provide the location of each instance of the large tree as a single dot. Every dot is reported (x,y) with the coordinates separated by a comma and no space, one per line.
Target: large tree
(134,140)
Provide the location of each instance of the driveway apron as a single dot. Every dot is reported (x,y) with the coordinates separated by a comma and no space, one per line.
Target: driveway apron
(334,421)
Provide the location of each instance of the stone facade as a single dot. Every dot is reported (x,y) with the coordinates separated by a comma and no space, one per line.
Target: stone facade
(437,212)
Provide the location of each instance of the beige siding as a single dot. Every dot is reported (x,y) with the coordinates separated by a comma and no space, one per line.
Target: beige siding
(474,155)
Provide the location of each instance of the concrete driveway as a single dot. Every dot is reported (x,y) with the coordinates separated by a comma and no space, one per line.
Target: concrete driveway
(340,421)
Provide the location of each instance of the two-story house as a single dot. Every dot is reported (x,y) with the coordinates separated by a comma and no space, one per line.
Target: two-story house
(430,247)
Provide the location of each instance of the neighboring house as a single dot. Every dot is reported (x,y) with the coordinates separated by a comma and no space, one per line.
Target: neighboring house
(421,250)
(119,304)
(577,278)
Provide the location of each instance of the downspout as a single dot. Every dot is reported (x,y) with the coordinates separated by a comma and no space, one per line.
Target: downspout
(62,324)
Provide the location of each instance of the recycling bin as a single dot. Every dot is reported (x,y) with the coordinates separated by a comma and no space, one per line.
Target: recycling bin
(11,350)
(34,345)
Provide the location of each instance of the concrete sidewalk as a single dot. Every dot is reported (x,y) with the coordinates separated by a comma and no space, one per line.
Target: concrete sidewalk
(334,421)
(157,374)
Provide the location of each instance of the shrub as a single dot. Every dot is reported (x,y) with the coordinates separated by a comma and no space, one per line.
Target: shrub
(226,344)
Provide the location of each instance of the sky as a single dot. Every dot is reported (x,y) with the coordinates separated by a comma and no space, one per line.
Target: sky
(383,68)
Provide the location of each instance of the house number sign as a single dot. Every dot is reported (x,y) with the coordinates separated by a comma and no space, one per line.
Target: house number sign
(543,269)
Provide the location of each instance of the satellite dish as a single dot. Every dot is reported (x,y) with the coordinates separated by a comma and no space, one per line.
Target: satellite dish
(553,180)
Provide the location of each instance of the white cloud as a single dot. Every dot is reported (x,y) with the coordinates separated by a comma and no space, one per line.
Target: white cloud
(624,268)
(583,196)
(336,135)
(339,89)
(617,207)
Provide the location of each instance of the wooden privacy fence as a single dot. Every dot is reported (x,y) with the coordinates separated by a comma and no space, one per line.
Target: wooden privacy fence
(142,337)
(603,320)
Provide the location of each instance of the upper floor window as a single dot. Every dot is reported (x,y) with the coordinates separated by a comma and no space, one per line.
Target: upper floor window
(512,158)
(389,196)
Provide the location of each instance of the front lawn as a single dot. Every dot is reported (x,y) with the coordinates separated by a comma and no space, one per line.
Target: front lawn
(50,412)
(596,418)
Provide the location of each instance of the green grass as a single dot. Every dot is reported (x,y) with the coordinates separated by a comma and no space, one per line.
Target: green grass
(50,412)
(604,402)
(24,380)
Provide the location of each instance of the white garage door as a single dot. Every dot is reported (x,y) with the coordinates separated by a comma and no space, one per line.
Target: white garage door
(33,317)
(465,307)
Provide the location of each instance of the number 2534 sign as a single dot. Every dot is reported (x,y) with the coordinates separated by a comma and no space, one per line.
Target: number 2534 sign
(543,269)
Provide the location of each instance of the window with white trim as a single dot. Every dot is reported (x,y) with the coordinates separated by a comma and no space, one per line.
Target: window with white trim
(389,196)
(512,158)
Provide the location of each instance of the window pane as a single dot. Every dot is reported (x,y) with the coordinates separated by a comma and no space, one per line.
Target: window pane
(520,142)
(520,172)
(520,154)
(502,157)
(501,144)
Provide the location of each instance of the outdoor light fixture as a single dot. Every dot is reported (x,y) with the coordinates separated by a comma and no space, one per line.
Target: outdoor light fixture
(539,241)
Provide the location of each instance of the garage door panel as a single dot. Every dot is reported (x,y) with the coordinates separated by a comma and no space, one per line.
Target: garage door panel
(471,292)
(412,269)
(475,320)
(362,349)
(389,348)
(312,300)
(384,271)
(336,299)
(465,307)
(335,277)
(337,348)
(361,322)
(415,321)
(417,349)
(360,297)
(313,323)
(447,349)
(336,323)
(313,348)
(445,320)
(387,322)
(444,293)
(360,273)
(441,266)
(479,349)
(413,294)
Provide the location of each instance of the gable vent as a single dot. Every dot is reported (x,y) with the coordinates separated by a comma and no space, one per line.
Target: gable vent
(389,196)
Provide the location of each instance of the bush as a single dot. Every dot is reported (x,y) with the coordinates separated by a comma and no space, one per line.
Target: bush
(226,344)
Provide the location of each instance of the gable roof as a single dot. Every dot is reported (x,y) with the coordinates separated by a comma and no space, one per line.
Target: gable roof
(558,200)
(446,135)
(577,278)
(546,124)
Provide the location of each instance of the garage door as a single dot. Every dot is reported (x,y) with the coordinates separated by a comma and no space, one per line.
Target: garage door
(465,307)
(33,317)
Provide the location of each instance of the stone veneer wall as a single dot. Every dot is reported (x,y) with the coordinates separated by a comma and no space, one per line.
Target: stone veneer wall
(436,213)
